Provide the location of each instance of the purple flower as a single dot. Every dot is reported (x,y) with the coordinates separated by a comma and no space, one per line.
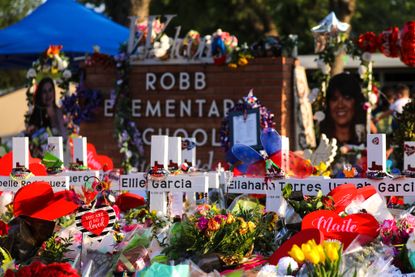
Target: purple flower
(202,223)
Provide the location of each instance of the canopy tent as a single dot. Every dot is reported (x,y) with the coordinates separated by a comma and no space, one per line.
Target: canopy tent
(59,22)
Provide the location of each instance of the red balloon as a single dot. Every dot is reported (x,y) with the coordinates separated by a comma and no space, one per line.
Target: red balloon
(408,43)
(35,165)
(389,42)
(368,42)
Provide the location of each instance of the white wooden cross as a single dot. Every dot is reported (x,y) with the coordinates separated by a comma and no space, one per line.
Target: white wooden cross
(79,178)
(21,158)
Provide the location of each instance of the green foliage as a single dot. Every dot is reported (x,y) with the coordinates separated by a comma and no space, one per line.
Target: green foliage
(232,236)
(54,249)
(309,203)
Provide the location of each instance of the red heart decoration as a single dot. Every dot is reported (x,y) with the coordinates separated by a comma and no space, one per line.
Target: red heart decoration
(344,229)
(301,237)
(95,222)
(35,165)
(343,195)
(97,162)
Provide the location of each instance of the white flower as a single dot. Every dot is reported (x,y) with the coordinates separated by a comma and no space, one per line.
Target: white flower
(268,271)
(159,214)
(367,57)
(218,32)
(362,70)
(129,154)
(67,74)
(119,82)
(31,73)
(319,116)
(373,98)
(65,64)
(313,95)
(5,198)
(285,263)
(410,245)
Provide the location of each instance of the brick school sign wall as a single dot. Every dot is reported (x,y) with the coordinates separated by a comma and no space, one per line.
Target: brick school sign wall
(190,100)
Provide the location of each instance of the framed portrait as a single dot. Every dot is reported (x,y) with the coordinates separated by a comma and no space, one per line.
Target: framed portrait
(245,128)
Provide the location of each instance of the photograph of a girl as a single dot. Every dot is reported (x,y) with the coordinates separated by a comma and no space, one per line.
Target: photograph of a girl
(345,116)
(46,114)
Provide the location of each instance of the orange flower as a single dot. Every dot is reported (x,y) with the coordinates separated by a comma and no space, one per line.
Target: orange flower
(53,50)
(213,225)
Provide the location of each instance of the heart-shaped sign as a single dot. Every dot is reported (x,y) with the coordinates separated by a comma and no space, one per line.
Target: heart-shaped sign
(364,227)
(97,162)
(301,237)
(343,195)
(95,222)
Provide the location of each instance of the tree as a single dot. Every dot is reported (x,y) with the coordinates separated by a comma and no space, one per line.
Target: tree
(344,9)
(10,13)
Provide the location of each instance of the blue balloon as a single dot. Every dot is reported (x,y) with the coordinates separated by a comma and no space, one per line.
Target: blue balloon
(271,141)
(389,164)
(218,46)
(396,171)
(246,154)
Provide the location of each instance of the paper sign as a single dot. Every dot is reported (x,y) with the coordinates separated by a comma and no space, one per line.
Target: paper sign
(409,156)
(386,187)
(58,183)
(376,152)
(96,223)
(80,151)
(189,151)
(344,229)
(79,178)
(7,184)
(55,147)
(20,152)
(184,183)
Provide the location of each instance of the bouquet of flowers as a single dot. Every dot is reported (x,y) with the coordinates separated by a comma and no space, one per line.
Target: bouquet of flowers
(231,236)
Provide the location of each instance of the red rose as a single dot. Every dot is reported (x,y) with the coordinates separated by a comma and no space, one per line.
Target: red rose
(4,228)
(368,42)
(9,273)
(30,270)
(58,270)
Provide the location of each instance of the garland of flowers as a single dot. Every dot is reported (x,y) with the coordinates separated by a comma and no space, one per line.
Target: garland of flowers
(126,132)
(249,102)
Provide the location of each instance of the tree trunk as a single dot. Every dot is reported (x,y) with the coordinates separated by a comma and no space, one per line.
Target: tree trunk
(344,10)
(120,10)
(140,8)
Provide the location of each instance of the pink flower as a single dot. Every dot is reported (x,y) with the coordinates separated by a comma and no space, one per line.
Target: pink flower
(132,227)
(220,218)
(202,223)
(389,232)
